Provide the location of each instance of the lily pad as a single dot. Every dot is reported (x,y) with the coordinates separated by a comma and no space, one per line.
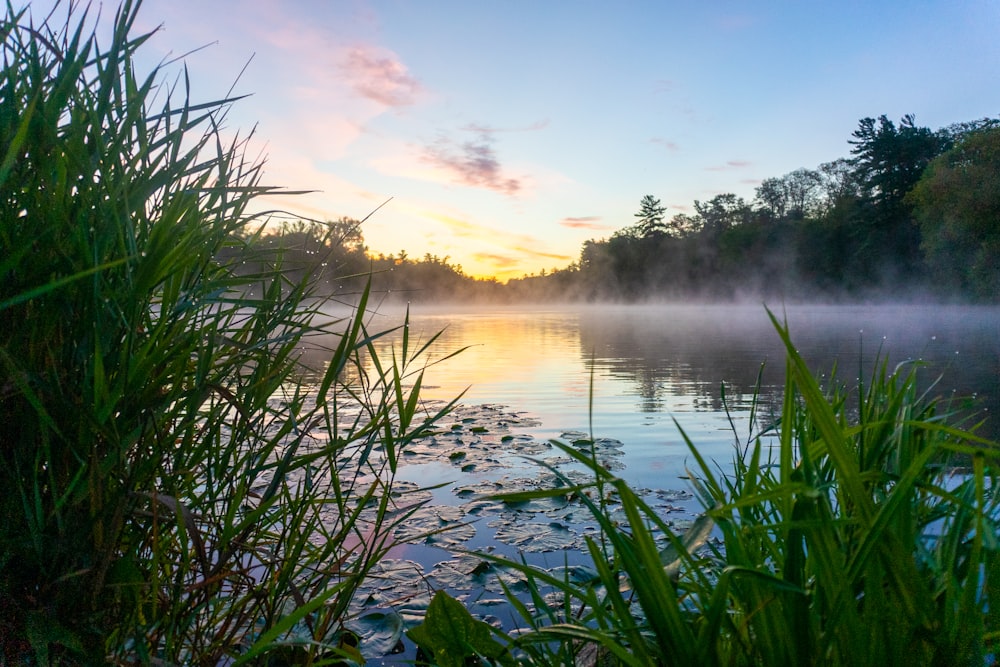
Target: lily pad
(537,537)
(380,632)
(443,526)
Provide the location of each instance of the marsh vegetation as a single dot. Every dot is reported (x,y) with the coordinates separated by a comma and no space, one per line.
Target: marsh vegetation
(202,465)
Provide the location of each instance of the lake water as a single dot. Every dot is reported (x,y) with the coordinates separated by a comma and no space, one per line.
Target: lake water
(631,371)
(624,374)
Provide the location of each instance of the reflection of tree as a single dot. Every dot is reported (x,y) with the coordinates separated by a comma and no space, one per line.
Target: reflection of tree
(678,351)
(689,351)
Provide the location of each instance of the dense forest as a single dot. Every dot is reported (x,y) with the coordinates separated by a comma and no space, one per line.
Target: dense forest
(912,213)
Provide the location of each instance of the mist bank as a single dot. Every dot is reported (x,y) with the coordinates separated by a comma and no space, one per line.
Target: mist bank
(912,215)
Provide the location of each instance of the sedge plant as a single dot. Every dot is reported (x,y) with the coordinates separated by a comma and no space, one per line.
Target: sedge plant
(177,487)
(860,528)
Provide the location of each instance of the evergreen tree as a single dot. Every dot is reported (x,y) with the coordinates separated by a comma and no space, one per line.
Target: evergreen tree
(650,217)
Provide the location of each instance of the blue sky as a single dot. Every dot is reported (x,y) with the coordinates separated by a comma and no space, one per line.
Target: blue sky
(508,133)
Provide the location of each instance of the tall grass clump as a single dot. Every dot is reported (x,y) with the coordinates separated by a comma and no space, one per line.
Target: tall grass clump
(860,529)
(170,493)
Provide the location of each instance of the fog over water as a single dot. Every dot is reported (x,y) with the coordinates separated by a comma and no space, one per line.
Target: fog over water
(531,374)
(654,364)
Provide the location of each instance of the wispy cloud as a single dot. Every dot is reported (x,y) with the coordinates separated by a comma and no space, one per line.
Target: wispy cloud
(531,252)
(523,245)
(491,130)
(472,162)
(732,165)
(462,228)
(498,261)
(663,86)
(585,222)
(671,146)
(379,75)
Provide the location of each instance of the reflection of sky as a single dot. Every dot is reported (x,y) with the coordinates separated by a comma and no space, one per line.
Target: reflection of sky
(652,366)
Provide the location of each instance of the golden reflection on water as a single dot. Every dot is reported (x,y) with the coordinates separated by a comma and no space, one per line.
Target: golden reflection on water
(653,365)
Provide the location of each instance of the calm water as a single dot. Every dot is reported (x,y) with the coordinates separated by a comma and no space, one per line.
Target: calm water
(652,365)
(625,374)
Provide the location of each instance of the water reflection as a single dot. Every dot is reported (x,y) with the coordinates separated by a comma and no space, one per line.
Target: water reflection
(690,350)
(652,365)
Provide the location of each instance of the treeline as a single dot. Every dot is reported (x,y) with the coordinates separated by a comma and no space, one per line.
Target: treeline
(913,211)
(341,265)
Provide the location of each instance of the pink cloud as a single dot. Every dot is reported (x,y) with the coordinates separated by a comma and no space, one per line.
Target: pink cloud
(586,222)
(666,143)
(490,130)
(380,76)
(730,166)
(472,162)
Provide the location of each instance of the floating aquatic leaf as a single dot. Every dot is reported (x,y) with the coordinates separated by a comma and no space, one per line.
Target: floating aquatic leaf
(673,495)
(394,574)
(577,574)
(380,632)
(440,525)
(480,506)
(492,602)
(463,573)
(537,537)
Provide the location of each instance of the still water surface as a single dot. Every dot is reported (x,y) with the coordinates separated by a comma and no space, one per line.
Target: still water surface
(624,374)
(632,371)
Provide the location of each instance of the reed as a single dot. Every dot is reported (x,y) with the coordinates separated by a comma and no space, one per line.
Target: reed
(860,529)
(177,487)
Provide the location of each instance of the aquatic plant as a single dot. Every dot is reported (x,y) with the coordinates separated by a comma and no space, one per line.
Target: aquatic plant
(177,488)
(860,528)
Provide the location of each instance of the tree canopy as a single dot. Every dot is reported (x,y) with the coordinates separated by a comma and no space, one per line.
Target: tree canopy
(912,211)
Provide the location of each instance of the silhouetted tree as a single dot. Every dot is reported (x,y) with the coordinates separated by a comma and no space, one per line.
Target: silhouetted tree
(650,217)
(889,161)
(772,197)
(957,204)
(721,212)
(838,180)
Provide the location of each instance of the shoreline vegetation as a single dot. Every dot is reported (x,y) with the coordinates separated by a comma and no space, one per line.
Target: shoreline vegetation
(910,216)
(175,494)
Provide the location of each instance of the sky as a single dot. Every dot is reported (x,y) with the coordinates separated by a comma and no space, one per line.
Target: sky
(503,135)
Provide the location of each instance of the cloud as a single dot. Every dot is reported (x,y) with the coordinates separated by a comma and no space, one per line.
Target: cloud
(586,222)
(530,252)
(472,162)
(671,146)
(380,76)
(461,228)
(663,86)
(490,130)
(522,244)
(730,166)
(499,261)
